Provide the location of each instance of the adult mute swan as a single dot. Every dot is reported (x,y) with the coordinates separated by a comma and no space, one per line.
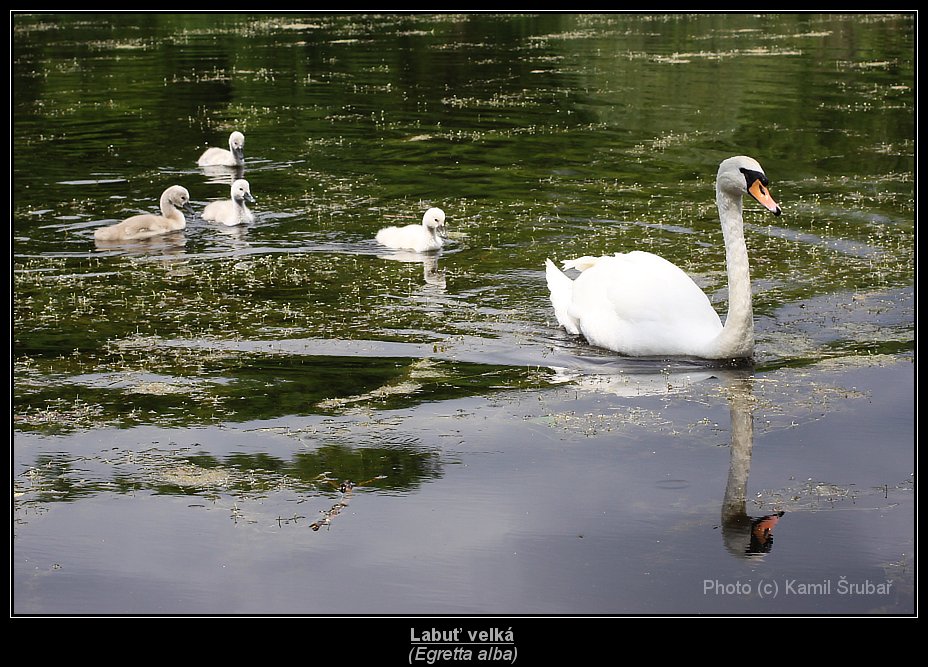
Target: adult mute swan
(147,225)
(428,236)
(220,157)
(639,304)
(231,212)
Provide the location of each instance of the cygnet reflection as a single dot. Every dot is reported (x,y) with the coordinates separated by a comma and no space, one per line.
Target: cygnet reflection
(222,175)
(234,237)
(166,244)
(431,273)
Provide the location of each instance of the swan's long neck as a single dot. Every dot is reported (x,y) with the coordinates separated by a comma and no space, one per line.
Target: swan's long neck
(741,403)
(737,337)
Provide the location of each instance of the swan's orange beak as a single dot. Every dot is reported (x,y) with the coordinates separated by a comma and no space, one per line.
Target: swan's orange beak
(761,194)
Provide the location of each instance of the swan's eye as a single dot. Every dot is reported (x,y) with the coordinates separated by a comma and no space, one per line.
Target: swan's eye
(750,176)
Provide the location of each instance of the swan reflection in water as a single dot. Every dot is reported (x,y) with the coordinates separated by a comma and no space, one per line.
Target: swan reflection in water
(744,536)
(431,273)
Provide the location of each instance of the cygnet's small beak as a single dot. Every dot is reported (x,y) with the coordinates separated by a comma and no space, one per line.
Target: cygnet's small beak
(440,230)
(249,198)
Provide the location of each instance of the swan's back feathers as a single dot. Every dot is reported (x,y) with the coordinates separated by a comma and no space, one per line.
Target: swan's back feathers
(639,304)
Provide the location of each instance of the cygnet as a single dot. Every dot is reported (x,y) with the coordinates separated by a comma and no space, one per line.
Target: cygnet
(147,225)
(231,212)
(220,157)
(428,236)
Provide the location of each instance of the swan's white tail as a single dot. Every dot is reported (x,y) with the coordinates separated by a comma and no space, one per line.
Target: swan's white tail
(562,291)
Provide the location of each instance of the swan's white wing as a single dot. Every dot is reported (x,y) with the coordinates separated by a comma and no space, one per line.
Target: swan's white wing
(640,304)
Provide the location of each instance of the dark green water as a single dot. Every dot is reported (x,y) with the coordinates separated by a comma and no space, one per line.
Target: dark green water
(162,388)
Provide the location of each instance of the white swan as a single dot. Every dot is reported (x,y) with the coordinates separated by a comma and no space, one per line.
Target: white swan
(147,225)
(231,212)
(428,236)
(639,304)
(220,157)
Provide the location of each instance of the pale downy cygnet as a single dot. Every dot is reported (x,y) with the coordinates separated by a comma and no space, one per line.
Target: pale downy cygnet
(428,236)
(233,211)
(147,225)
(220,157)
